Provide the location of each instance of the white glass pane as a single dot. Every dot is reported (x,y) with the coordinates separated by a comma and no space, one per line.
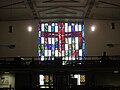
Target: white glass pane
(41,79)
(42,40)
(83,46)
(66,40)
(66,27)
(49,52)
(42,87)
(70,58)
(78,78)
(76,46)
(76,27)
(53,24)
(72,24)
(56,28)
(46,52)
(56,53)
(60,54)
(38,52)
(66,52)
(80,52)
(42,58)
(75,76)
(80,29)
(52,52)
(66,58)
(80,58)
(49,41)
(42,27)
(76,40)
(53,47)
(63,63)
(49,28)
(39,34)
(73,58)
(83,34)
(69,28)
(46,24)
(63,53)
(66,46)
(53,41)
(69,40)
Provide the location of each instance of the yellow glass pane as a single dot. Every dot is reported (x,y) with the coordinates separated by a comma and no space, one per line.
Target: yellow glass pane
(82,78)
(46,78)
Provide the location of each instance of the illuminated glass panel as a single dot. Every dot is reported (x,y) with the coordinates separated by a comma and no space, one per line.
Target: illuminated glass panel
(80,78)
(64,40)
(45,81)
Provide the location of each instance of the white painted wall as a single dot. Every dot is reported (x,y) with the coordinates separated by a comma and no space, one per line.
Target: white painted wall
(26,43)
(96,41)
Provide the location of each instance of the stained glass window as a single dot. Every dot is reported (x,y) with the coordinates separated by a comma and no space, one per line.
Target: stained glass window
(65,40)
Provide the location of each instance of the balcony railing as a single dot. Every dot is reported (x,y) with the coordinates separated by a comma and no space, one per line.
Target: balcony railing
(87,60)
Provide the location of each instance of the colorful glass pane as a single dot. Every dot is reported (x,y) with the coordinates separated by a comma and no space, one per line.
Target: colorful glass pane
(64,40)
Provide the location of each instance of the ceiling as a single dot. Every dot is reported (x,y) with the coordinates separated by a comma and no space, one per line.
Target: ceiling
(57,9)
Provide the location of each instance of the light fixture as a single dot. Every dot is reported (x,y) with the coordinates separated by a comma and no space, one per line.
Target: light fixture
(9,46)
(110,45)
(6,72)
(93,28)
(115,71)
(29,28)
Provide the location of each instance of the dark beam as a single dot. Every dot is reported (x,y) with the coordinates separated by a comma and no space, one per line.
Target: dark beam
(62,6)
(30,3)
(73,3)
(91,4)
(12,4)
(52,1)
(109,3)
